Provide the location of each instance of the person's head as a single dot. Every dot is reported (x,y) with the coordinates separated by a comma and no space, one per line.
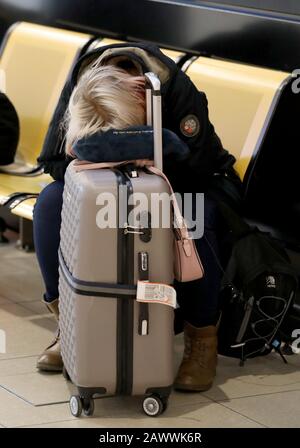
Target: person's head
(105,97)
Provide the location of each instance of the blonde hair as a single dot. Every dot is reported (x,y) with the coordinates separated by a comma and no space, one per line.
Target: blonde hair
(105,97)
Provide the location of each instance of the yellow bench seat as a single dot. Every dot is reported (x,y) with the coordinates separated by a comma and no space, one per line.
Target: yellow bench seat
(18,184)
(241,99)
(35,62)
(10,184)
(25,209)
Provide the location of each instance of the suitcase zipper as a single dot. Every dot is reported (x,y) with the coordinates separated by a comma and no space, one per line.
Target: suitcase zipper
(125,305)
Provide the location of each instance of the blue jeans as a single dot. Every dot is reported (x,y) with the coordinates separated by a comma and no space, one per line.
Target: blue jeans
(46,234)
(198,300)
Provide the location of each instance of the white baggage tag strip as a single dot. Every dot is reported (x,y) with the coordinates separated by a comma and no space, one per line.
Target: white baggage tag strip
(156,293)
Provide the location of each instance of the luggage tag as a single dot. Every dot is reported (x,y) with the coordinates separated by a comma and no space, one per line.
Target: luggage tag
(143,258)
(156,293)
(150,293)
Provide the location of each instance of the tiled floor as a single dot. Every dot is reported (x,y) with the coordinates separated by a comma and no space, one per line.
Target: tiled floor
(263,393)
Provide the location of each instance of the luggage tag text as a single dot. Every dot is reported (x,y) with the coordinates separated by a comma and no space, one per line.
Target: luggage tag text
(156,293)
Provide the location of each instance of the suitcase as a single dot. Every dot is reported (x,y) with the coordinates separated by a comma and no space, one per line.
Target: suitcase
(110,343)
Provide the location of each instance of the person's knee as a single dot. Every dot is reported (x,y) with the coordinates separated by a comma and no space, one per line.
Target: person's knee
(49,201)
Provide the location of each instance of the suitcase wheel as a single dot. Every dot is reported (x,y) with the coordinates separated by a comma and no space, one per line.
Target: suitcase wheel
(75,405)
(154,405)
(78,404)
(88,406)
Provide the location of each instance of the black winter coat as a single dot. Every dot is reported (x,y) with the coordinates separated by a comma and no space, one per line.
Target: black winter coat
(9,130)
(180,98)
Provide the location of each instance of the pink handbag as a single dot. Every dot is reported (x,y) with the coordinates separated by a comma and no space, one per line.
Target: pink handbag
(187,263)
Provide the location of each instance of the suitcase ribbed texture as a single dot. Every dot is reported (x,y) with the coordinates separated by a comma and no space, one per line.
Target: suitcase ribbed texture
(69,238)
(69,235)
(67,326)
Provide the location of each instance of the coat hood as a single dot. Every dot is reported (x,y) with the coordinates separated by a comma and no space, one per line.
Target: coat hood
(144,57)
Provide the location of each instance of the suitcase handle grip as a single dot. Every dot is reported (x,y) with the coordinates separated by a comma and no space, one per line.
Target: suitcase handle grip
(153,81)
(154,115)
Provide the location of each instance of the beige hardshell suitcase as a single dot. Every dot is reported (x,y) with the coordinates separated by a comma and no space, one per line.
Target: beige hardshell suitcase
(111,343)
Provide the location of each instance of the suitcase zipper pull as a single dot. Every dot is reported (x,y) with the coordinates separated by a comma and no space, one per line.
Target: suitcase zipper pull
(132,229)
(131,170)
(144,232)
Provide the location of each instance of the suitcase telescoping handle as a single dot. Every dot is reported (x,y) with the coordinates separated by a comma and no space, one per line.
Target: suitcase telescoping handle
(154,115)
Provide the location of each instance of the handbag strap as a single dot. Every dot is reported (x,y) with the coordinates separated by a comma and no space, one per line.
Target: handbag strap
(82,165)
(179,220)
(181,227)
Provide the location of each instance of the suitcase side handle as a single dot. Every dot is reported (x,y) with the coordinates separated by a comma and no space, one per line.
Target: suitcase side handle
(154,115)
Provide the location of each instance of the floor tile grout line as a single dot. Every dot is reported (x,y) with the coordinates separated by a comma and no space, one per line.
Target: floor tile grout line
(53,403)
(16,395)
(194,419)
(71,419)
(245,416)
(99,427)
(75,419)
(239,413)
(30,402)
(28,309)
(186,418)
(32,301)
(21,304)
(222,403)
(17,375)
(173,407)
(45,423)
(13,302)
(121,411)
(191,404)
(216,400)
(18,357)
(204,402)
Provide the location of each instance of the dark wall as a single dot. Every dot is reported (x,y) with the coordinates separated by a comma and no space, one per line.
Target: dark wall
(3,27)
(284,6)
(229,29)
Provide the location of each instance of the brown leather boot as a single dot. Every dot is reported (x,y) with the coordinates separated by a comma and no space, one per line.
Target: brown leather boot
(198,366)
(50,359)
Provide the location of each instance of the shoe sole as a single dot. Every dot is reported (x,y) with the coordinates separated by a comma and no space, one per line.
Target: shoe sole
(188,388)
(47,368)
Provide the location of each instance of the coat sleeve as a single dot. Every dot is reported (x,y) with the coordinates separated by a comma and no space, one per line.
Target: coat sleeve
(207,153)
(52,157)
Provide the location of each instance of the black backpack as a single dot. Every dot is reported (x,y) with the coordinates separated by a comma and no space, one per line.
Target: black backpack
(258,290)
(9,130)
